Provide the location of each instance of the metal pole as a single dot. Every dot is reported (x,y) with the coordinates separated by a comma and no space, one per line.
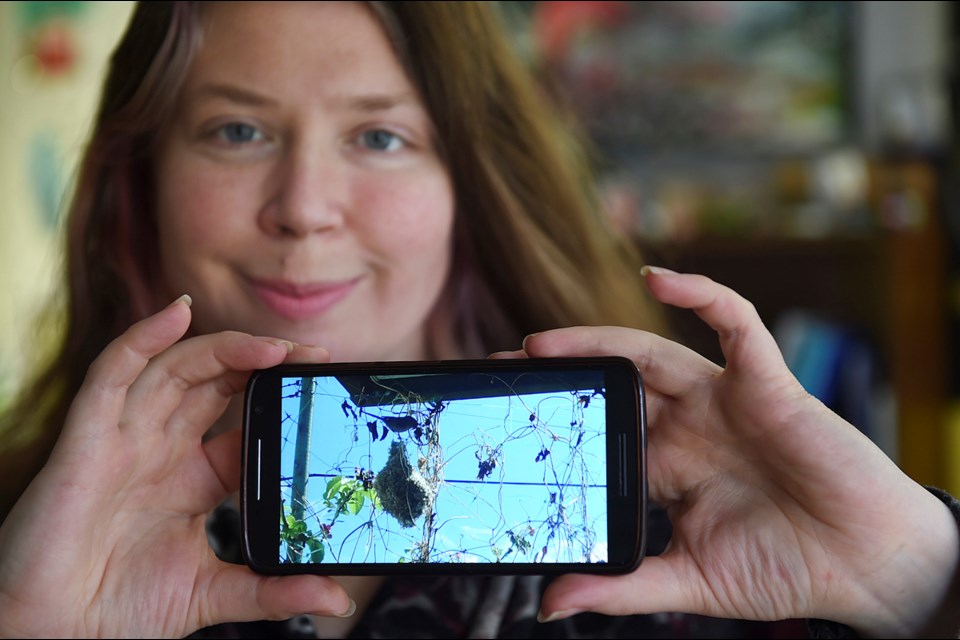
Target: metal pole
(300,459)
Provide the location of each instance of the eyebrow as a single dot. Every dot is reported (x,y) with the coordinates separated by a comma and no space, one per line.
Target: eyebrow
(235,94)
(381,102)
(368,103)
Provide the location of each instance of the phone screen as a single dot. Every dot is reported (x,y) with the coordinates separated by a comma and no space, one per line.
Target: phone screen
(512,465)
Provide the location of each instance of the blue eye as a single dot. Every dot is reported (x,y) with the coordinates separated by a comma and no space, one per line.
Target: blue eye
(381,140)
(239,133)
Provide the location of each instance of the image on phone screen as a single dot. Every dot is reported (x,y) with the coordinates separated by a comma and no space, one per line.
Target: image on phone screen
(476,468)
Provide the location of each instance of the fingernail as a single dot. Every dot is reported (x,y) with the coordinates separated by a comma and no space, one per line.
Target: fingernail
(647,269)
(280,343)
(350,610)
(524,344)
(556,615)
(185,299)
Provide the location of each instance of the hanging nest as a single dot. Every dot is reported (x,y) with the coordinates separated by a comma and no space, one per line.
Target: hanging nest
(403,492)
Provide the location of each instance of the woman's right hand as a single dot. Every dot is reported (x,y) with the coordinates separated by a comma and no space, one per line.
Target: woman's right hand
(109,539)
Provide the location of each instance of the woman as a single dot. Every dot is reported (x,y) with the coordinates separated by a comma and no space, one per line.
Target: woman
(523,197)
(382,181)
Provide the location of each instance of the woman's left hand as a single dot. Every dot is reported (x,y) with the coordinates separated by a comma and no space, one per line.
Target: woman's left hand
(780,508)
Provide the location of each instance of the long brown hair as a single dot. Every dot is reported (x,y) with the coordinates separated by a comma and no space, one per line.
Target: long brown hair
(540,253)
(532,248)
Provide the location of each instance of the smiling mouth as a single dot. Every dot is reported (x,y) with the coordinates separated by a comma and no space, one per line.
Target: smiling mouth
(299,302)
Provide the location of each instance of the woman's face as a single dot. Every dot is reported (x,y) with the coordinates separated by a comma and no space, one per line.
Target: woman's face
(300,193)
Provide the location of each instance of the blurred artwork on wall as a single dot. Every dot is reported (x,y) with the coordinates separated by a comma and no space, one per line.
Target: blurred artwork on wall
(765,76)
(53,56)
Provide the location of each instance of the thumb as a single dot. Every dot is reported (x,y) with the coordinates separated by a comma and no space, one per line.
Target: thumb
(237,594)
(652,588)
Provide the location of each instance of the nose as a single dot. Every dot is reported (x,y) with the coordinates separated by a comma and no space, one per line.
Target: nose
(307,195)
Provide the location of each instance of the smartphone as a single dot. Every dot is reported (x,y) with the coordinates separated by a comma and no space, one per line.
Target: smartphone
(525,466)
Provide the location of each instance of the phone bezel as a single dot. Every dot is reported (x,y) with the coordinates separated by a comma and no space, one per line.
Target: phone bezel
(627,483)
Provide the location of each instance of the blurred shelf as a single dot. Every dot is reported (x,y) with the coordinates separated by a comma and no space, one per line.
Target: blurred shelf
(890,286)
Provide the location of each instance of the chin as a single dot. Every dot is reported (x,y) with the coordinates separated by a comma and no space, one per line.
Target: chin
(406,349)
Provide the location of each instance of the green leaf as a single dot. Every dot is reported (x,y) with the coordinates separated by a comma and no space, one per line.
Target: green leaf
(371,495)
(317,550)
(355,503)
(333,487)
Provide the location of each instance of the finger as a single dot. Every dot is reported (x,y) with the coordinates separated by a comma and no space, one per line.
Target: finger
(210,368)
(237,594)
(224,454)
(307,354)
(666,366)
(652,588)
(743,337)
(214,397)
(122,361)
(519,354)
(202,405)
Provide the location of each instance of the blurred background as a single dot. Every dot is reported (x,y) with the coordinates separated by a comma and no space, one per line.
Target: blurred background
(804,153)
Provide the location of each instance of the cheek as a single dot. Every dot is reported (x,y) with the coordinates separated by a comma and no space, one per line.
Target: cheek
(195,210)
(411,220)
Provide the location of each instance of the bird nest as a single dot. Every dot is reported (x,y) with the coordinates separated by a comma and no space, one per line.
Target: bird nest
(403,492)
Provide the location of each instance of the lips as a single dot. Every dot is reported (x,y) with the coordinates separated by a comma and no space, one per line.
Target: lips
(301,301)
